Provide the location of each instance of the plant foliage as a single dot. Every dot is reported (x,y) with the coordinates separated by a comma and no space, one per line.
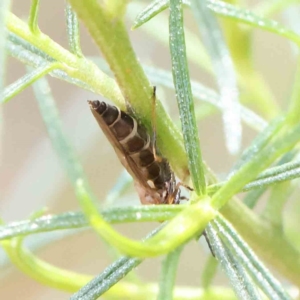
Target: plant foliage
(232,227)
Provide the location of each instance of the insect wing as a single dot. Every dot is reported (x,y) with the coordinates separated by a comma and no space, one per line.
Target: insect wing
(123,156)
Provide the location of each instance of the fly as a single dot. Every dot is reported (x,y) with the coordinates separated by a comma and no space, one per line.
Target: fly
(153,178)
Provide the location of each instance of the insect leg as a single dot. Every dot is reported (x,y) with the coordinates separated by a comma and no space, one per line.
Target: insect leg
(184,185)
(208,243)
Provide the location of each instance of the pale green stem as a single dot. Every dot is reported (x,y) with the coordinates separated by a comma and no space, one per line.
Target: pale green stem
(33,17)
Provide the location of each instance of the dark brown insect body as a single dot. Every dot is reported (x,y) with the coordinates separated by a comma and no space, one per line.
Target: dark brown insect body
(154,180)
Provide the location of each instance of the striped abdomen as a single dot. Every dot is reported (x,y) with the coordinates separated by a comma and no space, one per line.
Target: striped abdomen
(135,150)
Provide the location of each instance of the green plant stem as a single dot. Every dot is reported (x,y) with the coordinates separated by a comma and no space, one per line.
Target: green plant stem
(240,43)
(262,160)
(224,72)
(115,8)
(40,270)
(72,282)
(258,234)
(75,67)
(257,92)
(248,17)
(110,276)
(168,274)
(33,17)
(111,37)
(177,231)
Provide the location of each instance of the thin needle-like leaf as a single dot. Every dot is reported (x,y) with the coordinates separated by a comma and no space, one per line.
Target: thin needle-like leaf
(73,220)
(168,274)
(203,93)
(34,57)
(164,78)
(195,50)
(81,69)
(33,16)
(25,51)
(152,10)
(271,287)
(252,169)
(282,167)
(59,141)
(184,96)
(73,31)
(240,281)
(110,276)
(258,143)
(224,72)
(196,53)
(271,176)
(149,12)
(248,17)
(25,81)
(285,176)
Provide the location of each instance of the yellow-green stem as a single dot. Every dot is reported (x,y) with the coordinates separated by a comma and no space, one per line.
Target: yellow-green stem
(112,38)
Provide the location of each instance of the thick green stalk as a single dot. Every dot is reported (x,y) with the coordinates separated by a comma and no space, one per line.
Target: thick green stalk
(75,67)
(112,38)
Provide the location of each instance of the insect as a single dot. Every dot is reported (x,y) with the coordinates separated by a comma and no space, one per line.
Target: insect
(153,178)
(136,148)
